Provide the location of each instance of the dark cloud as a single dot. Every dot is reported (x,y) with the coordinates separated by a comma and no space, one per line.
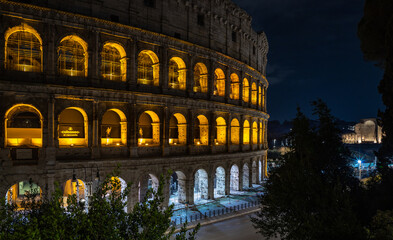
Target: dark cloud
(315,52)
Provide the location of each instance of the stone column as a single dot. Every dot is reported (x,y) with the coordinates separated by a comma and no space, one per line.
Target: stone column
(50,136)
(190,130)
(132,65)
(95,132)
(165,132)
(227,85)
(190,76)
(50,52)
(229,132)
(213,130)
(250,174)
(190,190)
(94,58)
(241,172)
(241,131)
(210,81)
(228,180)
(133,132)
(210,190)
(164,69)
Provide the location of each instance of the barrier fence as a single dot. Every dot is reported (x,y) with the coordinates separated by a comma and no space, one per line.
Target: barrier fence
(212,213)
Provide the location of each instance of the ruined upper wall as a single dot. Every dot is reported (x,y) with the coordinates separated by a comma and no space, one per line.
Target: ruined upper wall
(216,24)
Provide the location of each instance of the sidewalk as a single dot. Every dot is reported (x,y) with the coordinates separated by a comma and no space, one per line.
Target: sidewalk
(239,203)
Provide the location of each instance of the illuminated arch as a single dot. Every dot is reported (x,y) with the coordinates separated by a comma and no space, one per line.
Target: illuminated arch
(177,74)
(201,131)
(114,128)
(23,126)
(147,182)
(114,62)
(235,93)
(148,68)
(23,49)
(246,132)
(200,78)
(219,182)
(201,184)
(246,90)
(254,93)
(254,133)
(20,192)
(74,187)
(177,189)
(235,131)
(177,129)
(73,56)
(221,133)
(234,178)
(219,83)
(148,129)
(73,128)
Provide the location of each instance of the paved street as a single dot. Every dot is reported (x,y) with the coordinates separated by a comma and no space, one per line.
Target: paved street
(232,229)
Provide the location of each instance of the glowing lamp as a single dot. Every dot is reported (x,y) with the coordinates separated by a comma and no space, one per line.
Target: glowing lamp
(117,144)
(359,161)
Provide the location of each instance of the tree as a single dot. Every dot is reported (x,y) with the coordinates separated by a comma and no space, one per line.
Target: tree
(310,195)
(104,218)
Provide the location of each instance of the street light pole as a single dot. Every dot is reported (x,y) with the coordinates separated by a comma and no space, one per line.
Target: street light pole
(360,169)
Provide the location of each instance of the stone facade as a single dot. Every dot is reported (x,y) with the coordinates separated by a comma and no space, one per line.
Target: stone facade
(366,131)
(215,33)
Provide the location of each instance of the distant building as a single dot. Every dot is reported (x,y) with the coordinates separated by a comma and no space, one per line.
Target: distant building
(366,131)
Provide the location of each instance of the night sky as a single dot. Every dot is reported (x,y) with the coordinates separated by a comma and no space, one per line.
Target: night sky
(315,53)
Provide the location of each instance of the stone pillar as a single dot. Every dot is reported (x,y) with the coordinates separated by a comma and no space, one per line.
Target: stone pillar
(165,132)
(50,136)
(210,191)
(228,180)
(241,88)
(213,130)
(228,120)
(250,174)
(50,53)
(190,76)
(132,65)
(94,57)
(241,172)
(210,86)
(190,190)
(164,69)
(95,132)
(190,129)
(241,131)
(133,132)
(227,85)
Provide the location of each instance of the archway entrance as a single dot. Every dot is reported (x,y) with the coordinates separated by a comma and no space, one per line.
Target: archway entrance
(21,191)
(177,189)
(148,181)
(219,183)
(201,186)
(234,184)
(75,187)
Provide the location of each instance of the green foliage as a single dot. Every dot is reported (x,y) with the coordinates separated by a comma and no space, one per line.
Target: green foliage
(382,226)
(105,217)
(310,195)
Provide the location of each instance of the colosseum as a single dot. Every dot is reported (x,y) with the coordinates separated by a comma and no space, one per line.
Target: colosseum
(150,86)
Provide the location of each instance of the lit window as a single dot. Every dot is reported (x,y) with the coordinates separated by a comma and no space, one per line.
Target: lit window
(73,128)
(114,64)
(23,51)
(235,131)
(72,59)
(221,132)
(201,131)
(246,90)
(254,133)
(260,96)
(148,129)
(23,127)
(177,130)
(177,73)
(254,93)
(246,132)
(148,68)
(234,87)
(200,78)
(219,83)
(114,128)
(23,191)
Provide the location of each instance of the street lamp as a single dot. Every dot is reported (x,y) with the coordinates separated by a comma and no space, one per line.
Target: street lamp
(360,169)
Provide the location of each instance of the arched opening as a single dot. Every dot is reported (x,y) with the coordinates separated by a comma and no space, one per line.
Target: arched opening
(148,129)
(254,133)
(235,132)
(23,49)
(75,187)
(219,83)
(234,87)
(200,78)
(254,172)
(114,128)
(177,189)
(219,182)
(73,128)
(221,131)
(177,130)
(118,188)
(201,131)
(254,93)
(234,178)
(246,176)
(23,191)
(246,132)
(147,182)
(177,74)
(72,60)
(23,127)
(114,62)
(201,186)
(148,68)
(246,90)
(260,96)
